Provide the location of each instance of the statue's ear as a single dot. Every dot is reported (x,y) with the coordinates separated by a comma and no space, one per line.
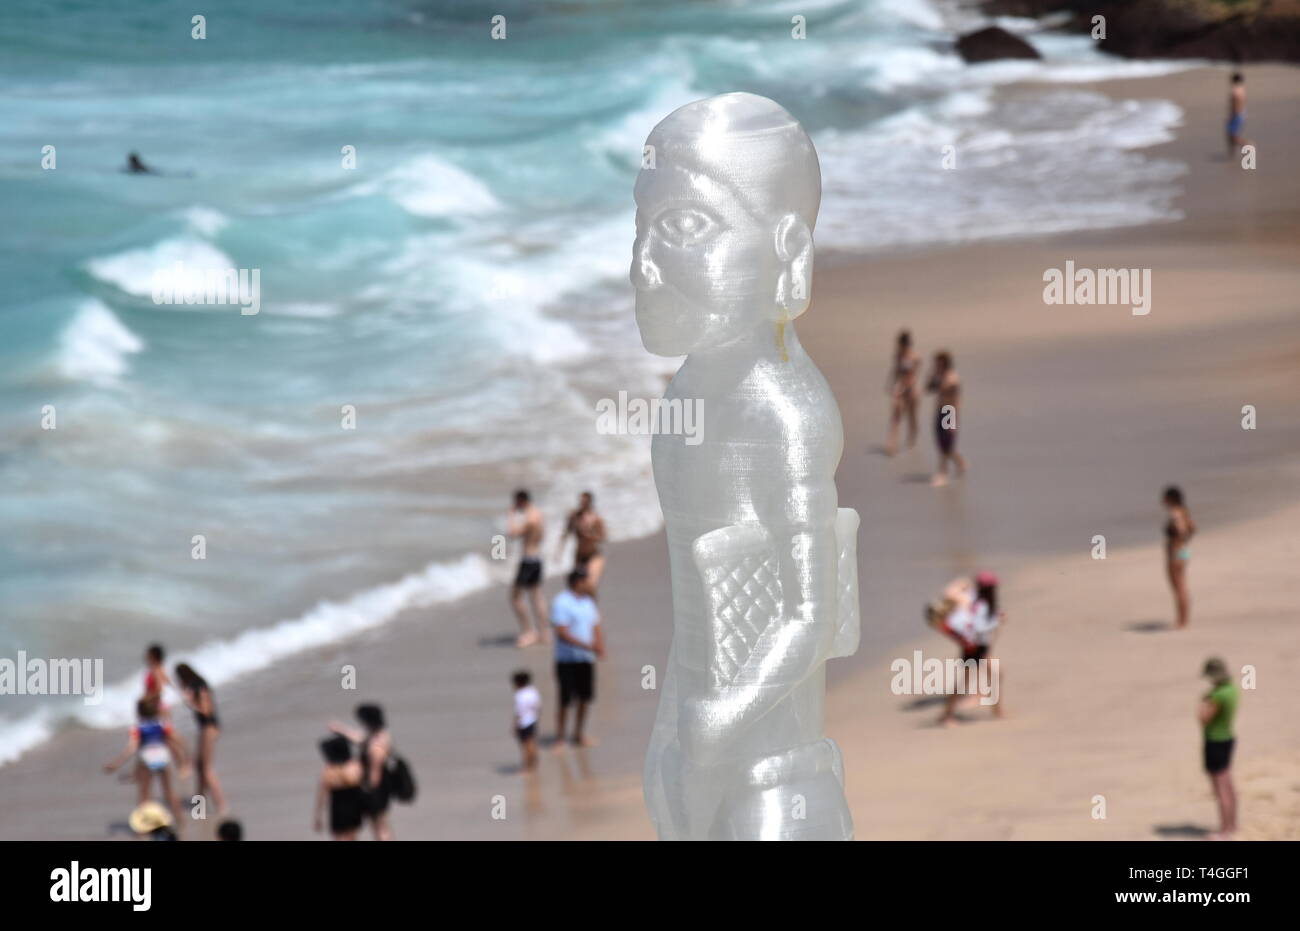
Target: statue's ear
(794,247)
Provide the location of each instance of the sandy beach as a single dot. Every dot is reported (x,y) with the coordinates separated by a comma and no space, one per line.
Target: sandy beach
(1075,418)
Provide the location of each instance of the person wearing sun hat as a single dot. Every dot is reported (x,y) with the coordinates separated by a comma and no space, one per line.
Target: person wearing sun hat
(152,821)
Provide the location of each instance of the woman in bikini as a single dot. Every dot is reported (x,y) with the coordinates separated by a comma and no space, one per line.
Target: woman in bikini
(199,699)
(1178,534)
(901,389)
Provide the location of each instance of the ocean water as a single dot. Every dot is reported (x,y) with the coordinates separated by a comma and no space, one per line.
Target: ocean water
(462,288)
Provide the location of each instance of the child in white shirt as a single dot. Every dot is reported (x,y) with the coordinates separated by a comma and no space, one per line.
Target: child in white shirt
(528,708)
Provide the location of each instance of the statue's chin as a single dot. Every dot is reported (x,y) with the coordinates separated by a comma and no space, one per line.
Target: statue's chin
(662,342)
(661,333)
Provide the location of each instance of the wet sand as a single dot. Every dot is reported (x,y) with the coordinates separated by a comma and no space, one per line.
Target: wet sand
(1074,418)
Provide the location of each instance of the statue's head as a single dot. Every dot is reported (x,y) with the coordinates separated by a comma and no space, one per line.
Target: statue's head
(726,203)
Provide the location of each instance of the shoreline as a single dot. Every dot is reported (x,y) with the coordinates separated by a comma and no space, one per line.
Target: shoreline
(600,789)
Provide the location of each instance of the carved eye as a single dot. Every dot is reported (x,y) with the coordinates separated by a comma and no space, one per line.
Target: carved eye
(686,226)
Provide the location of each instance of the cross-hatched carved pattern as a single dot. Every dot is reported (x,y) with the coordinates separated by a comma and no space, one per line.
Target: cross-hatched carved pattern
(744,597)
(848,630)
(848,579)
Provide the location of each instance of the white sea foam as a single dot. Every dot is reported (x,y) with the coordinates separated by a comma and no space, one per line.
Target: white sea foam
(95,345)
(205,221)
(133,271)
(429,186)
(1063,133)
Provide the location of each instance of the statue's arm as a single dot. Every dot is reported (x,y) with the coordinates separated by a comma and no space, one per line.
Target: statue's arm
(798,536)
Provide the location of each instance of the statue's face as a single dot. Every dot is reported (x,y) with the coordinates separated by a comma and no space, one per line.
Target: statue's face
(703,267)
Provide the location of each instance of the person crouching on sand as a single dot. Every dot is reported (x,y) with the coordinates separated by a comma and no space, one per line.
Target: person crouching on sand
(972,618)
(155,746)
(1216,713)
(1178,534)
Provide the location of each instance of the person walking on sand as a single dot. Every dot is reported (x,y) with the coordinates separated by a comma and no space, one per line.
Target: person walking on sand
(972,620)
(198,697)
(579,642)
(376,745)
(1236,115)
(946,386)
(156,747)
(1216,713)
(588,529)
(528,708)
(525,523)
(1179,529)
(339,789)
(901,388)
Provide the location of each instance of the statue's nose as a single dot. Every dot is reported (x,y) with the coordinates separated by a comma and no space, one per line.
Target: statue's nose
(645,273)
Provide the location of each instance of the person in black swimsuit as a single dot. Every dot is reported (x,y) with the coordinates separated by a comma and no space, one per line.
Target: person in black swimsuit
(199,699)
(340,787)
(376,747)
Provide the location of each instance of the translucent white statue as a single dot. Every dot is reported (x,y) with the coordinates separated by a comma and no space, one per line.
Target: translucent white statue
(764,567)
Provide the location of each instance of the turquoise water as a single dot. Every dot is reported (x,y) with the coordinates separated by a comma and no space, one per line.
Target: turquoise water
(462,288)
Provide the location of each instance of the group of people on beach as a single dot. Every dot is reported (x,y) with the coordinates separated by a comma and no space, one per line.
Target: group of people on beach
(573,621)
(158,750)
(526,524)
(1218,707)
(579,644)
(356,785)
(902,386)
(968,610)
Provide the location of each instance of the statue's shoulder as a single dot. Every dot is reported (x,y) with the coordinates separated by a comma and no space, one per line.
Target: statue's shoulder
(795,387)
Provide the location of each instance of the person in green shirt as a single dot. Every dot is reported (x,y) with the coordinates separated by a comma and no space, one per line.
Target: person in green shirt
(1218,708)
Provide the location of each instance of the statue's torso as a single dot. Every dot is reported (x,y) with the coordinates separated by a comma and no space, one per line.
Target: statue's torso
(766,432)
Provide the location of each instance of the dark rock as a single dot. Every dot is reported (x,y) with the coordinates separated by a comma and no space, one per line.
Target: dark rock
(993,43)
(1224,30)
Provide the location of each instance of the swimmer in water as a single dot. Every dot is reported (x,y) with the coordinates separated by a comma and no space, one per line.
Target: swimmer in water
(136,167)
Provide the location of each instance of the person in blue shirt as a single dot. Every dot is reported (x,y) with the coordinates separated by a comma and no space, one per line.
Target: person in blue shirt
(579,642)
